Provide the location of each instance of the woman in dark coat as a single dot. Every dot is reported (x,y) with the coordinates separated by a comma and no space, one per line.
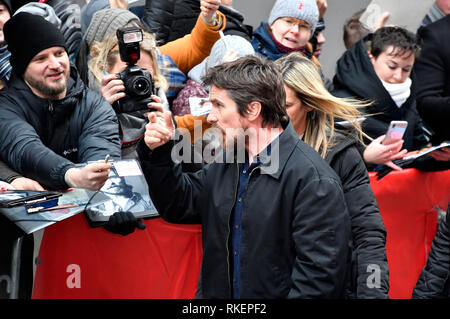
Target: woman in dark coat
(312,111)
(379,68)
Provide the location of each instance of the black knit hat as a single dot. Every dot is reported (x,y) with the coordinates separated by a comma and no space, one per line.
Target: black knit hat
(28,34)
(7,3)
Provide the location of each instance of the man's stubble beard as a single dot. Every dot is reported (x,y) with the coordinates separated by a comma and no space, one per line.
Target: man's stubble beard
(45,90)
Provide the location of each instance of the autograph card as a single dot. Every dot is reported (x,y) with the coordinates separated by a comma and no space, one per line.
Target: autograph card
(127,168)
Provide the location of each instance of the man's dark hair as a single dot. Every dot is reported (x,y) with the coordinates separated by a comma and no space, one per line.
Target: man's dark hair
(401,39)
(252,78)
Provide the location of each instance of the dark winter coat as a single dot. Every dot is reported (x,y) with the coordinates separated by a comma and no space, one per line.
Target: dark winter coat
(434,280)
(172,19)
(355,77)
(31,126)
(295,223)
(368,231)
(433,77)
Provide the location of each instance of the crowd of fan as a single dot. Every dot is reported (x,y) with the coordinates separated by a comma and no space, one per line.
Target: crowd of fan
(62,103)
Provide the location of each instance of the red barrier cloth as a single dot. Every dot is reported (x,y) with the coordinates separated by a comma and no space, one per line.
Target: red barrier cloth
(406,200)
(162,261)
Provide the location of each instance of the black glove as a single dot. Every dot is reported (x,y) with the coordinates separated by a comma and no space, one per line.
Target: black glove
(123,223)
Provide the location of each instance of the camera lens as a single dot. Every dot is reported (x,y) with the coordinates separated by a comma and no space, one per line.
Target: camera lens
(141,86)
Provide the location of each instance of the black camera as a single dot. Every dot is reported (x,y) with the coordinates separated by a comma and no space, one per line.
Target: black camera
(138,82)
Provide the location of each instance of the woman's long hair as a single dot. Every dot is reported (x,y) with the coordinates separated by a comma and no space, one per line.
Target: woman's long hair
(302,76)
(105,54)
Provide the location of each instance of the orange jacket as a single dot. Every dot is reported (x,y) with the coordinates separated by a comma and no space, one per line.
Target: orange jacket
(188,122)
(193,48)
(189,51)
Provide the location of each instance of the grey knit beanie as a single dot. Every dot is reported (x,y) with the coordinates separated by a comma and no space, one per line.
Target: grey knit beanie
(107,21)
(237,43)
(305,10)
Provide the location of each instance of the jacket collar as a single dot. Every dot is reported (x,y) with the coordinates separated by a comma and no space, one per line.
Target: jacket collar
(262,42)
(281,149)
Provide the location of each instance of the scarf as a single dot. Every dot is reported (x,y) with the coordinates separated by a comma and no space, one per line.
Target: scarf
(5,66)
(286,50)
(399,92)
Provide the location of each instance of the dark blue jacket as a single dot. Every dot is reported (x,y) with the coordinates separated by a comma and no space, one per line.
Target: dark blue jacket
(263,43)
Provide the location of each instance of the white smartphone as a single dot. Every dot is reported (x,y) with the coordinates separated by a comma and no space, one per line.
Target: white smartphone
(395,132)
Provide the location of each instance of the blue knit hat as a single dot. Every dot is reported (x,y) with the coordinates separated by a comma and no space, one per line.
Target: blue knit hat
(305,10)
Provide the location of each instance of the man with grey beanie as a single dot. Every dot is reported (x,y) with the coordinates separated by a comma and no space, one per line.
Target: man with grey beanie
(290,25)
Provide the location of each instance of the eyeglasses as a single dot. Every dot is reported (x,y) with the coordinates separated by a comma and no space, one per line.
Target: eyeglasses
(302,26)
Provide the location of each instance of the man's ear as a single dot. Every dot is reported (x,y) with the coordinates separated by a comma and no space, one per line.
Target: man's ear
(370,56)
(253,110)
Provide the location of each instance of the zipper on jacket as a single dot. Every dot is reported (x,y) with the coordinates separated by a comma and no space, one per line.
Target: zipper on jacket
(50,106)
(228,236)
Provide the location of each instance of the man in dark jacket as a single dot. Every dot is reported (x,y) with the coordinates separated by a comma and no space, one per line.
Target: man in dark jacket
(433,76)
(48,119)
(274,219)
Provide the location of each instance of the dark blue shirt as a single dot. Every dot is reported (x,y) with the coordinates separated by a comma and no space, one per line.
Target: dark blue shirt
(236,220)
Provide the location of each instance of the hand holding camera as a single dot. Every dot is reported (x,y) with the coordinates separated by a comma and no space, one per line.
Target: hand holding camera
(112,88)
(135,82)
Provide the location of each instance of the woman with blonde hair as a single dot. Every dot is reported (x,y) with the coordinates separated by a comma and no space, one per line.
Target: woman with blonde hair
(104,66)
(106,58)
(313,110)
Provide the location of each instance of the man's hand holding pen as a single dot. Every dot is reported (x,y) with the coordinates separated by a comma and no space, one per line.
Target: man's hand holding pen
(92,176)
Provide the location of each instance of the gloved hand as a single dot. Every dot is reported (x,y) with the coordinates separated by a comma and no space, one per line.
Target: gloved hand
(123,223)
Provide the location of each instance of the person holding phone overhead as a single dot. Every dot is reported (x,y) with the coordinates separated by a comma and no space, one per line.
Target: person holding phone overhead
(379,68)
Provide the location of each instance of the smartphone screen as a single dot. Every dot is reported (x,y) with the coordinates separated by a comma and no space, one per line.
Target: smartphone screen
(395,131)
